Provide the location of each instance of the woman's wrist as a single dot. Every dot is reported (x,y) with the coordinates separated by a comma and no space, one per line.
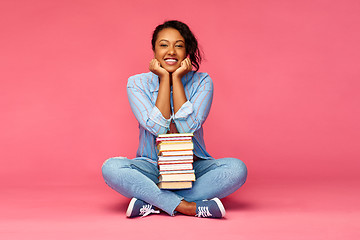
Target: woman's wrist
(164,75)
(176,78)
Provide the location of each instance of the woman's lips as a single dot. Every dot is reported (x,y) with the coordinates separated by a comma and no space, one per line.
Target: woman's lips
(171,61)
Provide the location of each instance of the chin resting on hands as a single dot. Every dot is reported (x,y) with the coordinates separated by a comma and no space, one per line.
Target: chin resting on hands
(156,68)
(184,68)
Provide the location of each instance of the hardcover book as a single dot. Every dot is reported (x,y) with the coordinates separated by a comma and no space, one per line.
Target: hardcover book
(177,177)
(177,153)
(174,162)
(175,146)
(175,158)
(175,185)
(169,167)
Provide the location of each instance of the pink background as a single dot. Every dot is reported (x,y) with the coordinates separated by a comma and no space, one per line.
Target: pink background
(286,76)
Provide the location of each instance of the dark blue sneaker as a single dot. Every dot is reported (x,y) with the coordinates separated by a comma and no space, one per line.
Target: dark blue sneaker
(210,208)
(138,207)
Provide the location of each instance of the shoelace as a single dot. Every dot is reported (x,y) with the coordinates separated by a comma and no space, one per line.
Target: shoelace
(203,212)
(147,209)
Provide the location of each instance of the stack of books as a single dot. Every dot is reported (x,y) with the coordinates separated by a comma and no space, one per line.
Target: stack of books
(175,160)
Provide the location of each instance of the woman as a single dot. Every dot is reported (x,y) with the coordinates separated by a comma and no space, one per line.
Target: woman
(172,98)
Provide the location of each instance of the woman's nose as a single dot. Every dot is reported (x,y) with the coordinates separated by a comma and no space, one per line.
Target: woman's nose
(171,51)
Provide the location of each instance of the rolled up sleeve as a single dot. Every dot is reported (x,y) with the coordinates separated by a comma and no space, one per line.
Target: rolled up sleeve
(157,117)
(195,110)
(145,111)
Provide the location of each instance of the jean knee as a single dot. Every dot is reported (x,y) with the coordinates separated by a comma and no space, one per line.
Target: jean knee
(106,168)
(238,168)
(109,167)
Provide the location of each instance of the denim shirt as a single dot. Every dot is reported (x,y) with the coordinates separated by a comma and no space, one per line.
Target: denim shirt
(142,90)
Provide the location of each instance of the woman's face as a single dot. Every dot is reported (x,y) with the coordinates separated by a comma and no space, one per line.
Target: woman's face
(170,49)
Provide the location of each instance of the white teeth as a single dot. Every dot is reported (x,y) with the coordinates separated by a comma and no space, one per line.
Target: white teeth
(170,60)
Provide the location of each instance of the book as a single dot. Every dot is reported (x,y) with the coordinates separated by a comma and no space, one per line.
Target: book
(175,185)
(175,146)
(167,135)
(177,171)
(169,167)
(177,177)
(174,162)
(177,158)
(173,139)
(177,153)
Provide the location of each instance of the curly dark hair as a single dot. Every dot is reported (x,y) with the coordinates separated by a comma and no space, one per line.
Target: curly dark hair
(191,43)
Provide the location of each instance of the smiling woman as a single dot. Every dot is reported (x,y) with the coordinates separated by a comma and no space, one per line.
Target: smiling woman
(188,38)
(172,98)
(170,49)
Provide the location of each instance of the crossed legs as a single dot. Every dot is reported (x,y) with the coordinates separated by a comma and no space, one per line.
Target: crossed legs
(138,178)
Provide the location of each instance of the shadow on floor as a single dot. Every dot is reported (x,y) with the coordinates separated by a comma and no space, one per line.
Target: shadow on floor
(119,206)
(235,204)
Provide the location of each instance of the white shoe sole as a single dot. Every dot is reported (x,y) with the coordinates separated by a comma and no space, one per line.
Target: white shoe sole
(221,206)
(130,207)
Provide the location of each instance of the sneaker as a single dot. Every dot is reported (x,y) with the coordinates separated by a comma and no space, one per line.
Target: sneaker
(138,207)
(210,208)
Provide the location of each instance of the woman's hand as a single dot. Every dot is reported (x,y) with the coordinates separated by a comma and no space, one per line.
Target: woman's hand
(156,68)
(184,68)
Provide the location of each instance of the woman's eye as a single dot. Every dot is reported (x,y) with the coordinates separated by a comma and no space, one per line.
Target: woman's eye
(179,46)
(163,45)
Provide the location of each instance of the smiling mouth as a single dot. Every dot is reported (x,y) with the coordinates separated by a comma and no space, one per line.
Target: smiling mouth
(171,61)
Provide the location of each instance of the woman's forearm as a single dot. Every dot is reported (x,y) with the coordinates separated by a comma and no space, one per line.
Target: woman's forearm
(163,98)
(179,96)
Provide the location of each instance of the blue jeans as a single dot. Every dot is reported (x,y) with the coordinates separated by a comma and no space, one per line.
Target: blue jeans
(138,178)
